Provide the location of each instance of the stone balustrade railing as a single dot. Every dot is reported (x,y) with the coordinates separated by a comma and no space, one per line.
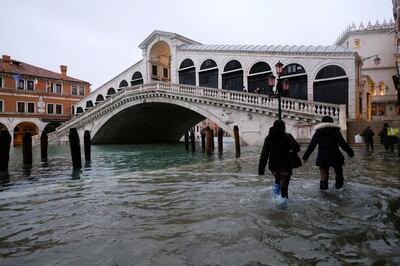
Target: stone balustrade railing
(290,106)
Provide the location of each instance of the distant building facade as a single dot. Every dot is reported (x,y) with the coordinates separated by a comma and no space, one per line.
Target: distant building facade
(316,73)
(33,99)
(376,46)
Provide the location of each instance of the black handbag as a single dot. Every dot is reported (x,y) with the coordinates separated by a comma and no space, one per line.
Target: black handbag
(294,160)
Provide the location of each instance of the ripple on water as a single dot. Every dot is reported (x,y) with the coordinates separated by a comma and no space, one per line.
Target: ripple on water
(159,205)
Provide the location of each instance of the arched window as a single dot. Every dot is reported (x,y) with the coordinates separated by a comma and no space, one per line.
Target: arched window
(89,104)
(331,85)
(111,91)
(99,98)
(79,110)
(297,77)
(137,78)
(258,78)
(232,78)
(208,74)
(187,72)
(123,84)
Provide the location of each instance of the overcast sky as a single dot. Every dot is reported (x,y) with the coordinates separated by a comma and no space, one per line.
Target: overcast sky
(98,39)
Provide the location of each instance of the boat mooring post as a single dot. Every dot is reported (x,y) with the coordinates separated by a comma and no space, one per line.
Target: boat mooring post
(203,140)
(220,140)
(87,145)
(27,148)
(209,138)
(75,148)
(44,142)
(5,142)
(192,140)
(237,140)
(187,140)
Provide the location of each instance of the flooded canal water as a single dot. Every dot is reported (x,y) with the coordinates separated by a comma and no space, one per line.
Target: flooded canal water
(161,205)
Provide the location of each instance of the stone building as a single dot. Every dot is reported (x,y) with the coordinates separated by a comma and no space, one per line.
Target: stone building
(33,99)
(315,73)
(376,46)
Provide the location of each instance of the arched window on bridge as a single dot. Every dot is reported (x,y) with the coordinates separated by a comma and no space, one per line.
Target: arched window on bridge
(79,110)
(187,72)
(89,104)
(110,92)
(208,74)
(123,84)
(232,78)
(99,98)
(137,78)
(331,85)
(297,77)
(257,78)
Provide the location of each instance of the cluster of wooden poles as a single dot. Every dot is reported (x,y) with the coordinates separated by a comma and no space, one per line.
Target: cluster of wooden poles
(5,143)
(207,140)
(207,145)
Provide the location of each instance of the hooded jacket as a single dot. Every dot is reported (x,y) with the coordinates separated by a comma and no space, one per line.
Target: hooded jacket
(328,138)
(277,146)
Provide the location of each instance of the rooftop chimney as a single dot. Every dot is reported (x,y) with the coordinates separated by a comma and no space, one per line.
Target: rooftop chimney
(63,71)
(5,65)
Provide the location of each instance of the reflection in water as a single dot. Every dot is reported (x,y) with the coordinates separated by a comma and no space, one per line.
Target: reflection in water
(159,205)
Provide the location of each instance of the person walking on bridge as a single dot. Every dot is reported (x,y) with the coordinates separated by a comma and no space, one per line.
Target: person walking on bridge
(277,146)
(328,138)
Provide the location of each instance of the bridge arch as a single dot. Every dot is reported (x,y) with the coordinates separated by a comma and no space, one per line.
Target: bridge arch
(331,85)
(257,77)
(177,118)
(187,72)
(110,91)
(208,74)
(232,76)
(99,98)
(160,61)
(137,78)
(3,127)
(21,128)
(123,84)
(296,75)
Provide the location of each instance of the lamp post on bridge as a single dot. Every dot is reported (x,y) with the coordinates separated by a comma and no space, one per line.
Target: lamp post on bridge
(280,86)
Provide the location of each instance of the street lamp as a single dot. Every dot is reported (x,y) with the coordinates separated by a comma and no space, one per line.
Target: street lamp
(280,86)
(376,59)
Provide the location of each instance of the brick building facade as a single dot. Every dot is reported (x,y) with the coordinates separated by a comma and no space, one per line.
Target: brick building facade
(33,99)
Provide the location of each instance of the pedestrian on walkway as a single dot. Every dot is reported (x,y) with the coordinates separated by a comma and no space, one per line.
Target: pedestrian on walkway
(368,136)
(277,146)
(329,138)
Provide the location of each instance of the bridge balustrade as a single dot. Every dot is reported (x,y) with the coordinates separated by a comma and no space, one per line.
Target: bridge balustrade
(248,100)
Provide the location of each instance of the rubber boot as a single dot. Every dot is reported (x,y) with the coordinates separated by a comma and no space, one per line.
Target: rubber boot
(339,183)
(323,185)
(276,190)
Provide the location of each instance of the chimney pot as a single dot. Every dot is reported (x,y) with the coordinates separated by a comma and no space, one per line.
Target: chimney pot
(6,59)
(63,69)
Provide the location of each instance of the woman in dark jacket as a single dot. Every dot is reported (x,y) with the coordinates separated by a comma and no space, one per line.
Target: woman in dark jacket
(328,138)
(277,146)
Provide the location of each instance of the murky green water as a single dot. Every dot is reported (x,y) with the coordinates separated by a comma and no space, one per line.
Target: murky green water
(160,205)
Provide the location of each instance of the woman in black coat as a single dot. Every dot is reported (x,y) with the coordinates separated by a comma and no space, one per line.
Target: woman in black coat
(277,146)
(328,138)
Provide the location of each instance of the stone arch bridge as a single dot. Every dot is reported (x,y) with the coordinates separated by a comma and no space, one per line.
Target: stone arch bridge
(163,112)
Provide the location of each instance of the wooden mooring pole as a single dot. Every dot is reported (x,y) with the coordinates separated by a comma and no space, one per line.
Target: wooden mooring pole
(220,140)
(192,140)
(44,141)
(87,145)
(209,138)
(237,140)
(203,140)
(75,148)
(5,142)
(187,141)
(27,148)
(212,140)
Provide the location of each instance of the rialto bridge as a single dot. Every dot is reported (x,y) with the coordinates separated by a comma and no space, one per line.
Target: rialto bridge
(163,112)
(179,82)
